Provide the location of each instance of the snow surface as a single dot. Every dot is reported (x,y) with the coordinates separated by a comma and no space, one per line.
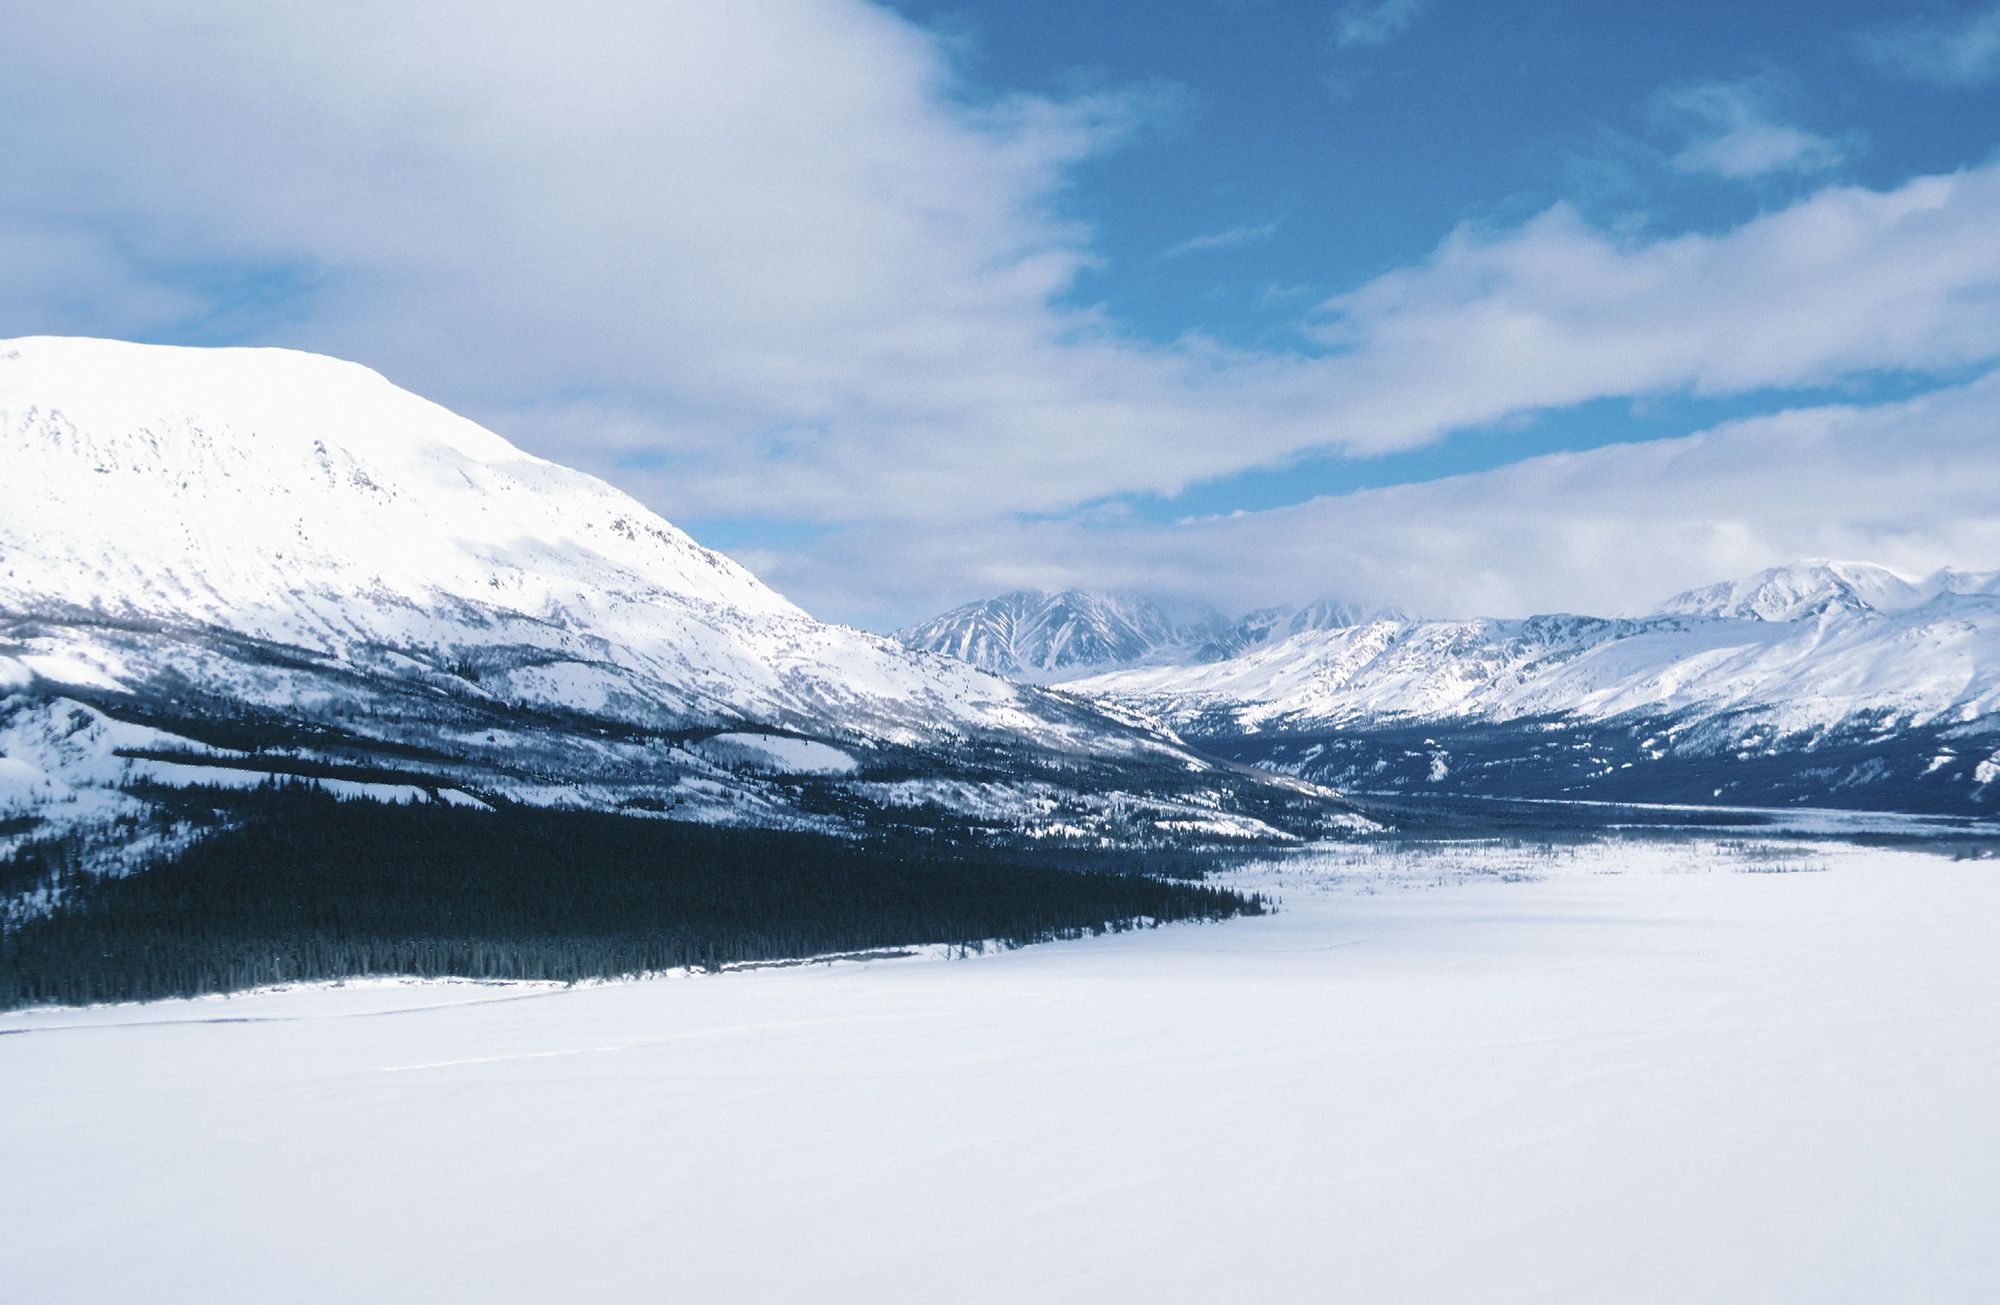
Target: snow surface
(784,755)
(1634,1072)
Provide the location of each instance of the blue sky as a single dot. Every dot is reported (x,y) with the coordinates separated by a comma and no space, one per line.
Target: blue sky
(1340,162)
(1288,164)
(1459,307)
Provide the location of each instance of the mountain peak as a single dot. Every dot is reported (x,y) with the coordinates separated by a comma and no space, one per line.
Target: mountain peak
(1044,635)
(1040,634)
(1802,591)
(278,393)
(276,564)
(220,482)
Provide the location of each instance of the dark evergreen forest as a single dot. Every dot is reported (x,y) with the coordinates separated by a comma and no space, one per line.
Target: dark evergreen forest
(292,884)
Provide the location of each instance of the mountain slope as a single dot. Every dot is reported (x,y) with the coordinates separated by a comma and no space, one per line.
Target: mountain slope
(266,561)
(1897,680)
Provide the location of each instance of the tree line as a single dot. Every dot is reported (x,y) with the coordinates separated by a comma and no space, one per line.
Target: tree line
(293,885)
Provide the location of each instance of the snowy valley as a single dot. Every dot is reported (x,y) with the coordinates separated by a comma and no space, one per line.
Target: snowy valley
(1728,1068)
(346,751)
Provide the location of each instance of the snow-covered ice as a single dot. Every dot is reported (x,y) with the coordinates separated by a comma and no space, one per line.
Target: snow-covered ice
(1630,1072)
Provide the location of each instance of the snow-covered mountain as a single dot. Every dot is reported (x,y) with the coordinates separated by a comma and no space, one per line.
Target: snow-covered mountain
(1043,637)
(1268,624)
(1034,634)
(222,563)
(1809,589)
(1840,681)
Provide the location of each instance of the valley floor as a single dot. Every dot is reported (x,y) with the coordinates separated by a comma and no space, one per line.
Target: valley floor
(1630,1072)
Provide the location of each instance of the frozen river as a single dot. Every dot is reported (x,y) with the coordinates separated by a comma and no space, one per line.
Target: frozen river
(1629,1072)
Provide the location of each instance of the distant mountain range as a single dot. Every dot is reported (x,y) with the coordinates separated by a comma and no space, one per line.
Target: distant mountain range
(221,565)
(1043,637)
(1821,683)
(1819,588)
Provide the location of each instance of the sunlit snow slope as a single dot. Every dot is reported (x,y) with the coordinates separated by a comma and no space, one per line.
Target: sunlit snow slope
(271,558)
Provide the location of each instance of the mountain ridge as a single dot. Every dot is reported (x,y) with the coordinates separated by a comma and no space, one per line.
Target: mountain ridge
(1046,636)
(1815,586)
(241,563)
(1897,677)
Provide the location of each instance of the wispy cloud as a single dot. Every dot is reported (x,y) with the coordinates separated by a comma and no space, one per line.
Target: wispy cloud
(1374,22)
(1959,53)
(1243,235)
(1736,129)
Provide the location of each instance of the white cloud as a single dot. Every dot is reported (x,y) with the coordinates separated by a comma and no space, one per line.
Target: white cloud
(1733,130)
(1374,22)
(1958,53)
(1243,235)
(1912,484)
(755,213)
(1557,312)
(767,259)
(1495,324)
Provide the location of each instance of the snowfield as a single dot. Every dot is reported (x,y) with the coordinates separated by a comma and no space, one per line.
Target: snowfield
(1640,1071)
